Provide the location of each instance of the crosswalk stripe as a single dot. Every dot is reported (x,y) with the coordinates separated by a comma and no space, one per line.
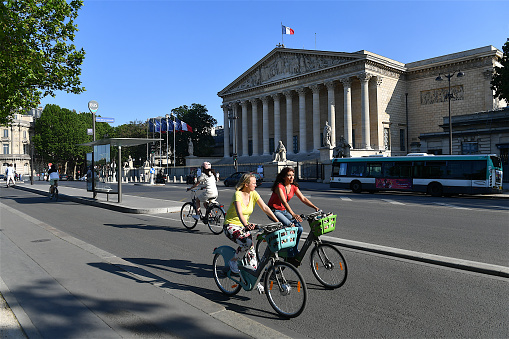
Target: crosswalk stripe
(393,202)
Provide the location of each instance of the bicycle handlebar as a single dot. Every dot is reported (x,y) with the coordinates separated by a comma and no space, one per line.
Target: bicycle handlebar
(314,214)
(272,227)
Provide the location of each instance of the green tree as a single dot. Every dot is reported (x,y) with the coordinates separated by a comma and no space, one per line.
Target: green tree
(134,129)
(198,118)
(58,133)
(500,81)
(37,57)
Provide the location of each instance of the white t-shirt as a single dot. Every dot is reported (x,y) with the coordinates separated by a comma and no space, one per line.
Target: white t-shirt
(53,175)
(9,171)
(209,183)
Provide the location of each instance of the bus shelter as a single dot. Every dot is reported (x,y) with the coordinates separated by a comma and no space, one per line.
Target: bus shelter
(102,168)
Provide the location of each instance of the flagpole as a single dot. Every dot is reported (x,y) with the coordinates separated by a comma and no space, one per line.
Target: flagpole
(160,141)
(167,131)
(282,39)
(174,131)
(148,124)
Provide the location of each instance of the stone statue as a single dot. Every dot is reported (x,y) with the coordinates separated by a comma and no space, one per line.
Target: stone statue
(280,154)
(190,147)
(131,163)
(327,135)
(342,150)
(146,164)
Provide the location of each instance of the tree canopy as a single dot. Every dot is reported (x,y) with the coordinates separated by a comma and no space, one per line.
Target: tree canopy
(37,56)
(500,81)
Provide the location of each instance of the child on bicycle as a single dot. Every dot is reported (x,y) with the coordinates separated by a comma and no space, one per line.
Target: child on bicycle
(208,180)
(53,178)
(236,225)
(283,189)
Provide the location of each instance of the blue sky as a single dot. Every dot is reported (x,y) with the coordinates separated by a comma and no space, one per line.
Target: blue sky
(144,58)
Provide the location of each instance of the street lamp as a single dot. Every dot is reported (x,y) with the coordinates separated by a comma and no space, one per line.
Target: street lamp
(232,116)
(449,96)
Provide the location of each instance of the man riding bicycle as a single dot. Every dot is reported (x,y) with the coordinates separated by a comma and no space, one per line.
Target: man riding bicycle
(53,179)
(208,180)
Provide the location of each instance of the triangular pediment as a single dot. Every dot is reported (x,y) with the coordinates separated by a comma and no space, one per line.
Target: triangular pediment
(283,63)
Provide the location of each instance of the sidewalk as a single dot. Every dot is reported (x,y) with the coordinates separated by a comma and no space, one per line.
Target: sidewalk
(94,294)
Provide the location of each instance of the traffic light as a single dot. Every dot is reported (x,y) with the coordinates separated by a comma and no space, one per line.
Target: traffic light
(235,160)
(152,148)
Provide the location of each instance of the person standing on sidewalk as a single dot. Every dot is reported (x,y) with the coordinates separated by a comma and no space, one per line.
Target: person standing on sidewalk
(283,189)
(9,172)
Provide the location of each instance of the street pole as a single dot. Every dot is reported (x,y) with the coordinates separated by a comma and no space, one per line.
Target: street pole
(174,150)
(167,132)
(449,96)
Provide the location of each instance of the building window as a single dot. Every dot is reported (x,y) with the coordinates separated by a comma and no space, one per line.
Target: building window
(6,133)
(24,134)
(271,145)
(387,139)
(250,147)
(295,144)
(6,148)
(353,139)
(402,143)
(321,140)
(25,148)
(470,147)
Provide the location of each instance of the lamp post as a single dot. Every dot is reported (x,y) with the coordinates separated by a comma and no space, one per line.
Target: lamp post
(232,116)
(449,96)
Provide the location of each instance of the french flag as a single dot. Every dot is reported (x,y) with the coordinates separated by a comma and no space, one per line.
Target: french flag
(287,30)
(186,127)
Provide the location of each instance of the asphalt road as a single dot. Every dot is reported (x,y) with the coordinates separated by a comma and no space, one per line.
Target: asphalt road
(382,297)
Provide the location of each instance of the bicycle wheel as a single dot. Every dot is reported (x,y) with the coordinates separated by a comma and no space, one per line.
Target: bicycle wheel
(56,194)
(186,216)
(286,290)
(215,219)
(225,284)
(328,265)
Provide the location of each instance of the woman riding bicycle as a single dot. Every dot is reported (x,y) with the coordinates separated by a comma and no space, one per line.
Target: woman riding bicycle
(236,225)
(283,189)
(208,180)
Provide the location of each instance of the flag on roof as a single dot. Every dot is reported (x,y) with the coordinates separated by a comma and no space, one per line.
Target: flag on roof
(287,30)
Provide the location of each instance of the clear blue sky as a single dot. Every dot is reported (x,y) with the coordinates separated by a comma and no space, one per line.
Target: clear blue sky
(144,58)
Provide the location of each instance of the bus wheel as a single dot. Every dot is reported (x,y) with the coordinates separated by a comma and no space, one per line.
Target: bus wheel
(435,189)
(356,186)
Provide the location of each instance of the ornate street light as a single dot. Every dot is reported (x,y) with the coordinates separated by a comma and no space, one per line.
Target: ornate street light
(232,116)
(449,96)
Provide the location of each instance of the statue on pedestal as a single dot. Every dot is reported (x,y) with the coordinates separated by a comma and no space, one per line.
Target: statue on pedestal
(342,150)
(280,154)
(327,135)
(190,147)
(130,161)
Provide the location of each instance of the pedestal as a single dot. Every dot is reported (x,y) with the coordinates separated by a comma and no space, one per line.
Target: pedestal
(326,154)
(271,169)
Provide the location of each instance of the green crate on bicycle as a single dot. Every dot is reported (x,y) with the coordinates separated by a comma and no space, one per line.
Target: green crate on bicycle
(283,238)
(324,225)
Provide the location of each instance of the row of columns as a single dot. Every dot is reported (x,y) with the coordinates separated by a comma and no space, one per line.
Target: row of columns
(316,124)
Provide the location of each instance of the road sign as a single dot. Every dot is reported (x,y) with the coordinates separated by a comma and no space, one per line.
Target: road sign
(101,119)
(90,131)
(93,106)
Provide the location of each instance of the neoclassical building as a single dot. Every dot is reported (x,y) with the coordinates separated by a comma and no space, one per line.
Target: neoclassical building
(16,140)
(378,105)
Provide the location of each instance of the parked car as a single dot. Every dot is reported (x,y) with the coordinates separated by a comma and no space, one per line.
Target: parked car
(66,177)
(233,179)
(3,177)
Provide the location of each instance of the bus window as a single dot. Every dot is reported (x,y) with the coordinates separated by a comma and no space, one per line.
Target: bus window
(405,169)
(458,169)
(418,169)
(390,170)
(479,170)
(375,170)
(339,169)
(401,169)
(356,169)
(434,169)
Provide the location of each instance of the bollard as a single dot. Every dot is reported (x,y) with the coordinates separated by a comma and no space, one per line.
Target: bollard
(174,179)
(181,180)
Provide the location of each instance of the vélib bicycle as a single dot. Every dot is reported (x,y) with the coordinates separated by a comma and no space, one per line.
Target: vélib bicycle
(283,284)
(327,263)
(53,195)
(213,217)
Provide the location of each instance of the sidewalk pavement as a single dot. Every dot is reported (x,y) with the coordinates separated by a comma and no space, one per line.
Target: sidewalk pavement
(95,294)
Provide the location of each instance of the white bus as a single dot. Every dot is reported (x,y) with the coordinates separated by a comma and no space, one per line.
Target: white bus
(433,174)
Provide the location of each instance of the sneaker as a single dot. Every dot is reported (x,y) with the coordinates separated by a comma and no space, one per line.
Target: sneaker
(196,217)
(234,266)
(260,288)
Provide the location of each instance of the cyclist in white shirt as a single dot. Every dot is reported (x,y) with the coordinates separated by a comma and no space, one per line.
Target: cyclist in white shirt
(208,180)
(53,177)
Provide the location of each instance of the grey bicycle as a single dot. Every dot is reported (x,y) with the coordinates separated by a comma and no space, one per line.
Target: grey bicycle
(214,214)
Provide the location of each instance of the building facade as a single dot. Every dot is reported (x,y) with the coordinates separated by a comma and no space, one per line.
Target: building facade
(16,146)
(375,104)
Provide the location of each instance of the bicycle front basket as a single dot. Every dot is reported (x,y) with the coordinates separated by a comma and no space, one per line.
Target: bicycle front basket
(283,238)
(324,225)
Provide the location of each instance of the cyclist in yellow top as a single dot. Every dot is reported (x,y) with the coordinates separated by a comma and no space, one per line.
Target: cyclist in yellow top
(236,224)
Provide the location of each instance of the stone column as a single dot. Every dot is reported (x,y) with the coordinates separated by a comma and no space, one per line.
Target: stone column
(265,123)
(347,89)
(289,122)
(366,138)
(277,120)
(254,105)
(316,117)
(331,110)
(302,119)
(245,135)
(226,132)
